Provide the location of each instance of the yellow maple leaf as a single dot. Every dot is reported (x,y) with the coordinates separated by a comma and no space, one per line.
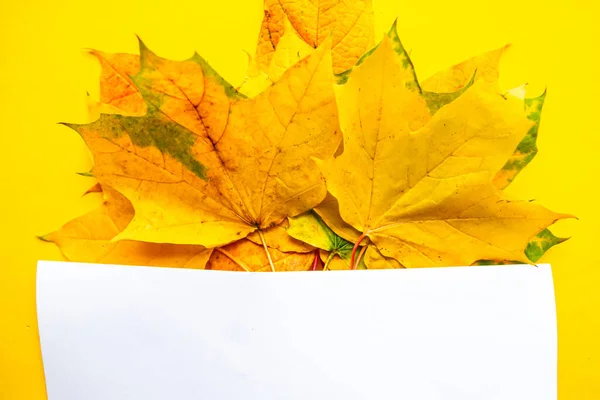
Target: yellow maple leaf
(89,239)
(350,24)
(443,87)
(417,181)
(206,166)
(487,67)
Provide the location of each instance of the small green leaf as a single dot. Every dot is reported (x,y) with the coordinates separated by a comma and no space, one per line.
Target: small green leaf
(311,229)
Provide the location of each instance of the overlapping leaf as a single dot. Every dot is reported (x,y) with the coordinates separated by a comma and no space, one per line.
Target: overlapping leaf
(278,238)
(419,185)
(349,23)
(89,239)
(446,84)
(196,173)
(268,68)
(311,229)
(205,166)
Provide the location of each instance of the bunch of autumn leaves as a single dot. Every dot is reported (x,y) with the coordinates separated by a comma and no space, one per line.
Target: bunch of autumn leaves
(331,155)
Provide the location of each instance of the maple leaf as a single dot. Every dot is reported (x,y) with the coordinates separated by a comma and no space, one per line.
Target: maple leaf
(417,183)
(89,239)
(206,166)
(350,24)
(447,83)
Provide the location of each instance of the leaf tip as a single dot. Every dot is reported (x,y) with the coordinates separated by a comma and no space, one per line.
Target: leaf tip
(75,127)
(144,50)
(394,27)
(392,33)
(562,216)
(45,238)
(544,93)
(141,43)
(562,239)
(93,52)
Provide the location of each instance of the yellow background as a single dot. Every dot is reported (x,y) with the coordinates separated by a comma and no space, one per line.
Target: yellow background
(44,76)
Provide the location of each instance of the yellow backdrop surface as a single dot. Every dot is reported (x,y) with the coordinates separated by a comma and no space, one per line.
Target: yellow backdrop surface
(44,76)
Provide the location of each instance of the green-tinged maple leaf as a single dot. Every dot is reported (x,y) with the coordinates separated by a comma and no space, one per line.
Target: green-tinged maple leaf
(434,99)
(448,84)
(418,184)
(206,166)
(445,84)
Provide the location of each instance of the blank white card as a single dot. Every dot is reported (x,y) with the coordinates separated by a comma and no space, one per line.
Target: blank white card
(117,333)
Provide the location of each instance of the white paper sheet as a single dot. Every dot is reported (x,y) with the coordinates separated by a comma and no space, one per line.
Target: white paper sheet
(116,333)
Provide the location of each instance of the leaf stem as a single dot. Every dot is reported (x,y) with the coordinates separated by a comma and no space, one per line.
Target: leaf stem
(316,260)
(329,258)
(232,258)
(360,256)
(352,259)
(264,242)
